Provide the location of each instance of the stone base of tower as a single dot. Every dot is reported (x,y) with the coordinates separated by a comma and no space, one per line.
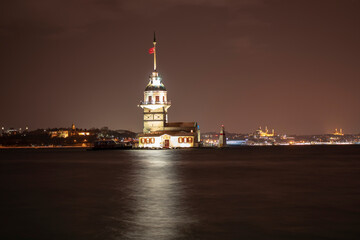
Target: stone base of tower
(175,135)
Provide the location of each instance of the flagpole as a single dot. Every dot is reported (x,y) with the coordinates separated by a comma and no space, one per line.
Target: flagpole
(154,52)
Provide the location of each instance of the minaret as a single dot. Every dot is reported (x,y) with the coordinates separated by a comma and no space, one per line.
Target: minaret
(155,102)
(222,138)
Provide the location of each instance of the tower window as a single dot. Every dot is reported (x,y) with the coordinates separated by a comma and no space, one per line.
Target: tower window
(150,99)
(157,99)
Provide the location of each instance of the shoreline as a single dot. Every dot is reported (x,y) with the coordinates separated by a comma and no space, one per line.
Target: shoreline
(207,147)
(41,147)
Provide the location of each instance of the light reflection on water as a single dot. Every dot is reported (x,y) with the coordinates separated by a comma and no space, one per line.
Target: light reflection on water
(158,210)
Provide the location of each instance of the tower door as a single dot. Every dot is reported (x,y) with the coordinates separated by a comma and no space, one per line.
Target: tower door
(167,143)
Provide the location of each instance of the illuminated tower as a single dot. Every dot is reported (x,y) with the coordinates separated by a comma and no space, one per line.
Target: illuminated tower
(155,102)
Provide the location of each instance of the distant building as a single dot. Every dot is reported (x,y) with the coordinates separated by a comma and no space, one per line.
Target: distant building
(157,131)
(68,132)
(338,133)
(259,133)
(13,131)
(59,133)
(236,142)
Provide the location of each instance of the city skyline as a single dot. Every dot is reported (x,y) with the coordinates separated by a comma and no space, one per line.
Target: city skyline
(291,66)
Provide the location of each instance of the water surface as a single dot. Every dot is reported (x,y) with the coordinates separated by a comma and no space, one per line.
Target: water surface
(304,192)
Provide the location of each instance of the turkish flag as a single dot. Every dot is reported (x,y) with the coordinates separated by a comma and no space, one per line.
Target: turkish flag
(152,50)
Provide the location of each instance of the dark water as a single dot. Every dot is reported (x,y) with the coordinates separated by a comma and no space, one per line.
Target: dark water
(241,193)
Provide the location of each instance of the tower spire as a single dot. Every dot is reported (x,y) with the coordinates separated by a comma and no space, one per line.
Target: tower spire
(154,42)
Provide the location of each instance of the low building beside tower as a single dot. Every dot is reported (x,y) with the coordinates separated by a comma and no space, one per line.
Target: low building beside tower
(157,131)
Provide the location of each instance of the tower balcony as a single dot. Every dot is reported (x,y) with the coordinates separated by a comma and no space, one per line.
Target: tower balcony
(155,103)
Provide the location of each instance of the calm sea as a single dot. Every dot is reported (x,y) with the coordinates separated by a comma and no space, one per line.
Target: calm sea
(304,192)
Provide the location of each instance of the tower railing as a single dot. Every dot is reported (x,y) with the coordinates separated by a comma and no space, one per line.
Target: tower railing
(155,102)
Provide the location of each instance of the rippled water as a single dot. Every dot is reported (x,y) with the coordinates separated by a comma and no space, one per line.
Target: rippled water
(238,193)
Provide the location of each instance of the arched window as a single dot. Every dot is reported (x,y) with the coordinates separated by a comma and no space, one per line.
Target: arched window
(157,98)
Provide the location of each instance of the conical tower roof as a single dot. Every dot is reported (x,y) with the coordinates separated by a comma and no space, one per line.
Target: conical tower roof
(155,83)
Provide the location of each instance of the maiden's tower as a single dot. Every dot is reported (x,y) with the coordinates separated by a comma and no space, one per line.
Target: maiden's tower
(157,131)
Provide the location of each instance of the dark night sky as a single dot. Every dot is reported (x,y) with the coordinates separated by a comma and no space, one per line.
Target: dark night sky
(290,65)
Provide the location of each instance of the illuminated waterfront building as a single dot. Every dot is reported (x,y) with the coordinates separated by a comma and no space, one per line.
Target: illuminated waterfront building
(157,131)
